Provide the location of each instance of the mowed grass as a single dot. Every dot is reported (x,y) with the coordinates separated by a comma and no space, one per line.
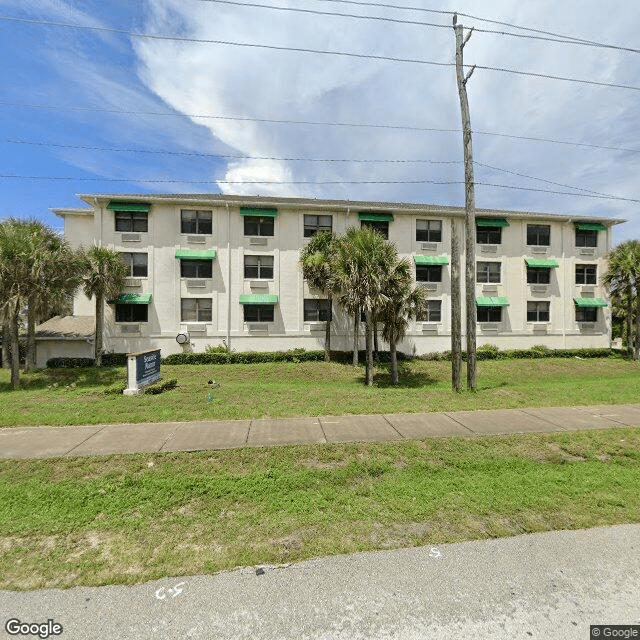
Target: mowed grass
(283,390)
(128,519)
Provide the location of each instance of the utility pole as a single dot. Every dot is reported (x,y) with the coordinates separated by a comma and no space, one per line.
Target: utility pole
(469,204)
(456,309)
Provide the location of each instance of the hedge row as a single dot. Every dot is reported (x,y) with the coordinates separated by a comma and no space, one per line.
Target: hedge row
(491,352)
(246,357)
(108,360)
(486,352)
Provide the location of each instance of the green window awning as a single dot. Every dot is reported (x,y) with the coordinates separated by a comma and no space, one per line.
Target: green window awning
(263,213)
(540,263)
(132,298)
(195,254)
(262,298)
(590,302)
(590,226)
(372,216)
(491,222)
(138,207)
(421,260)
(492,302)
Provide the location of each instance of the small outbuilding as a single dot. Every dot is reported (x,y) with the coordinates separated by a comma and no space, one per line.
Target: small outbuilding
(65,337)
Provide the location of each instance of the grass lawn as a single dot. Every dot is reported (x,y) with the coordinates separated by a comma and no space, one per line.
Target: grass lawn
(282,390)
(128,519)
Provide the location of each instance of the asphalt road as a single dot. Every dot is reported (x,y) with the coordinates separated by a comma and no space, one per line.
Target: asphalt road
(549,586)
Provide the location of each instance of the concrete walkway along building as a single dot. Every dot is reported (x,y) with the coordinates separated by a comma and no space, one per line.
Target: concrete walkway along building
(208,269)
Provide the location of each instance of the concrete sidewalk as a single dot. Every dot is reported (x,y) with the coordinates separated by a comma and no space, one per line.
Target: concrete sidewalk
(43,442)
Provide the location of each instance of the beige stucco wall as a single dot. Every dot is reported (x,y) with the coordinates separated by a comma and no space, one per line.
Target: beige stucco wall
(289,330)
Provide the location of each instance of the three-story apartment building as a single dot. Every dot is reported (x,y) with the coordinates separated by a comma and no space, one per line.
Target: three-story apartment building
(213,269)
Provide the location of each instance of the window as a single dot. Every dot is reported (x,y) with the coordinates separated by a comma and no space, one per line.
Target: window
(429,230)
(258,312)
(586,238)
(433,312)
(131,221)
(137,263)
(489,314)
(196,268)
(195,221)
(539,234)
(258,226)
(586,273)
(381,226)
(536,275)
(488,272)
(195,309)
(131,312)
(313,224)
(316,310)
(586,314)
(258,267)
(488,235)
(428,273)
(537,312)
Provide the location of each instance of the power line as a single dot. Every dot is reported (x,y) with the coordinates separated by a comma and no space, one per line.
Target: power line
(317,123)
(552,36)
(549,37)
(227,42)
(222,155)
(320,52)
(310,182)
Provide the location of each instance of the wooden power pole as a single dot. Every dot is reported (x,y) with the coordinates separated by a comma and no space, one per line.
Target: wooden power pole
(456,309)
(469,204)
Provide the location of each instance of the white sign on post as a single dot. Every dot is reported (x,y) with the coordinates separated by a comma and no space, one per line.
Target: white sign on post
(143,368)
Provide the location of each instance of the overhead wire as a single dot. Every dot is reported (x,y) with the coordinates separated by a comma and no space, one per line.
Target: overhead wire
(321,52)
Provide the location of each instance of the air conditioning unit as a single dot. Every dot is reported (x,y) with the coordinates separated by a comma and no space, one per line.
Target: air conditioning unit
(196,283)
(587,251)
(429,246)
(132,282)
(131,237)
(489,248)
(258,241)
(196,239)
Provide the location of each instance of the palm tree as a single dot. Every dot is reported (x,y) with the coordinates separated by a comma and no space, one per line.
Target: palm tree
(623,280)
(104,277)
(35,264)
(404,303)
(363,260)
(316,260)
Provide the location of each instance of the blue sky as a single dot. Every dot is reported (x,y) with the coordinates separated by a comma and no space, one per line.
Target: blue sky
(100,76)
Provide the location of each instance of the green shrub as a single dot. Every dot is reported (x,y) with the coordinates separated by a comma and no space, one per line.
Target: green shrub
(115,389)
(69,363)
(159,387)
(215,355)
(487,352)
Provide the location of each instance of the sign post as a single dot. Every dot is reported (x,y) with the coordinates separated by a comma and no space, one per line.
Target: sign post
(143,368)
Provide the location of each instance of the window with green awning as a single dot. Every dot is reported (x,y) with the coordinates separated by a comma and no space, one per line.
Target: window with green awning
(540,263)
(491,222)
(372,216)
(590,302)
(138,207)
(259,212)
(132,298)
(425,260)
(590,226)
(195,254)
(262,298)
(498,301)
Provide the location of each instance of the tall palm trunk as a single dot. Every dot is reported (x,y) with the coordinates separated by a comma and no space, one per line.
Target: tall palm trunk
(99,329)
(376,355)
(368,329)
(6,341)
(327,336)
(15,347)
(636,352)
(394,362)
(630,321)
(30,359)
(356,336)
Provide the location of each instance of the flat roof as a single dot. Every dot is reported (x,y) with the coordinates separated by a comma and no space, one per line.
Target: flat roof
(217,199)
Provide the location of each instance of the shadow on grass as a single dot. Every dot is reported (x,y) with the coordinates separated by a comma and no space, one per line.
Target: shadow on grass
(406,379)
(82,377)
